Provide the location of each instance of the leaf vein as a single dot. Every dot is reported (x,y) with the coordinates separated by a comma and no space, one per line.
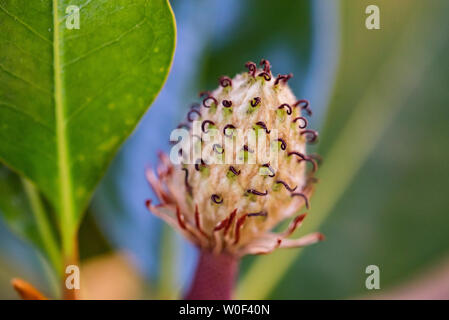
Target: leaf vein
(24,80)
(104,45)
(102,90)
(29,115)
(27,52)
(27,26)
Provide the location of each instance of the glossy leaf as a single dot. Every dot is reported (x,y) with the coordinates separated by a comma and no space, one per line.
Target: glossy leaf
(69,97)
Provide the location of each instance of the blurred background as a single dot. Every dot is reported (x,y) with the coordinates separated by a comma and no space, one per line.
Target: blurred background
(380,101)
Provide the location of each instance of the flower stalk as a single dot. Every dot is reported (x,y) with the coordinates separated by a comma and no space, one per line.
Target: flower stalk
(214,277)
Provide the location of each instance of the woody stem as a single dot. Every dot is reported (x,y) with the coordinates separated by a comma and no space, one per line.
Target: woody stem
(214,277)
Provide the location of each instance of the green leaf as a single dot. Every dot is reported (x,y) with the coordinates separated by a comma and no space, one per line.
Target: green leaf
(70,97)
(22,209)
(287,40)
(14,206)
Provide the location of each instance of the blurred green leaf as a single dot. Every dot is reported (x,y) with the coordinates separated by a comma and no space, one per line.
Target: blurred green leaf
(381,73)
(167,275)
(277,31)
(70,97)
(22,209)
(14,206)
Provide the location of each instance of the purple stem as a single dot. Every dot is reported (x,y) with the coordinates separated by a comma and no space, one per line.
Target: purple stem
(214,278)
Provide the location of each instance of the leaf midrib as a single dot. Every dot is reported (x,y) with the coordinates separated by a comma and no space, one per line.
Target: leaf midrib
(64,177)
